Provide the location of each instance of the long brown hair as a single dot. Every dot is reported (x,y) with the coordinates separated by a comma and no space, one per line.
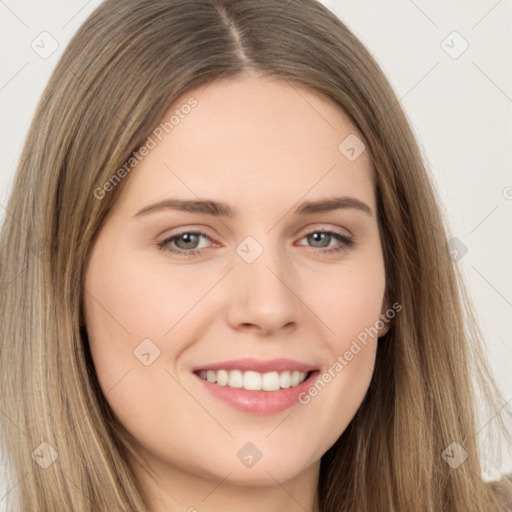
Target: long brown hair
(123,69)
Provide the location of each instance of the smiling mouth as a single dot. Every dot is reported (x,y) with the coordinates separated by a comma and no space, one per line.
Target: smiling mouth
(254,381)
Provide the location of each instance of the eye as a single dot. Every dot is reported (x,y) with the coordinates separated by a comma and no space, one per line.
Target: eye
(323,238)
(187,243)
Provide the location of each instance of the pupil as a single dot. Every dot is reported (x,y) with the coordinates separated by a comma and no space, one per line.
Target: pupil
(318,237)
(187,238)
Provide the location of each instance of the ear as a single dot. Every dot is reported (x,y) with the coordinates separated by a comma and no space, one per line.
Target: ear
(384,322)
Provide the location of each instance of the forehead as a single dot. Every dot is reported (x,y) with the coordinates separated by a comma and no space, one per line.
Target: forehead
(252,139)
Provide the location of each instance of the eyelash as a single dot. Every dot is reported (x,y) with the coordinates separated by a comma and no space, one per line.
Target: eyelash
(165,246)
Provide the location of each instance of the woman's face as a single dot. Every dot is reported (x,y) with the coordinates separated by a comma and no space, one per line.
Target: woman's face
(241,187)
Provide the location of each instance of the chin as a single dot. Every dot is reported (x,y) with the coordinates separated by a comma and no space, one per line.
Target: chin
(279,466)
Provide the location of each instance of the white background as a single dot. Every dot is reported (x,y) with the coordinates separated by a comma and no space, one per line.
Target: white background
(460,109)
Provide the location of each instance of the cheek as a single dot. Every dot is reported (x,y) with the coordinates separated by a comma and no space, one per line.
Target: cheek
(349,305)
(141,299)
(128,301)
(128,311)
(130,315)
(349,301)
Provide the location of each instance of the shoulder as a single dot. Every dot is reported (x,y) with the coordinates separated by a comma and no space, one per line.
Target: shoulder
(503,490)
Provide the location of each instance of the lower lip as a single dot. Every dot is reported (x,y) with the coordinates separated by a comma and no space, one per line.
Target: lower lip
(259,402)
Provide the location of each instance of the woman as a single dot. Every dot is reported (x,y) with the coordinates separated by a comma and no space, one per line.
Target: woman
(147,374)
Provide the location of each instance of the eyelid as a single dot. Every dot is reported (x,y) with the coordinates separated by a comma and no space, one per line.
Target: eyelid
(200,230)
(197,232)
(318,226)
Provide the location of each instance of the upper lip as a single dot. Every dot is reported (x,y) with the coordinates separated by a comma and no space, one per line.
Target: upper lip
(258,365)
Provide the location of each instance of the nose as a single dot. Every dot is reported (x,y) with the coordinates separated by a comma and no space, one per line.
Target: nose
(262,295)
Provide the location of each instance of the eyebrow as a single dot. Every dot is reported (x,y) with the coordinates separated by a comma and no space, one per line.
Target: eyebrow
(221,209)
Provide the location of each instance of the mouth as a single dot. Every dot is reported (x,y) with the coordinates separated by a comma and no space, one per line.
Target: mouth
(254,381)
(257,392)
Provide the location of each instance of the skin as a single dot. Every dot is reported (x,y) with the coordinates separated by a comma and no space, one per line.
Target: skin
(263,146)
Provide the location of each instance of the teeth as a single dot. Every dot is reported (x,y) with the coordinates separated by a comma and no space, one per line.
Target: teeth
(254,381)
(236,379)
(296,378)
(285,379)
(222,377)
